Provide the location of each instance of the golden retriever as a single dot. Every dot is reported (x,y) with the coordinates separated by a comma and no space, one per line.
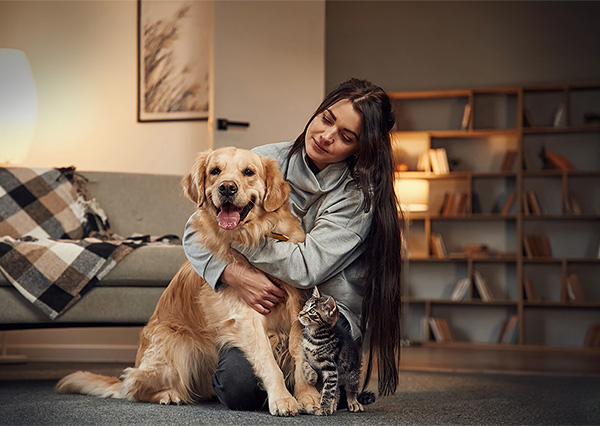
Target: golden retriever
(241,198)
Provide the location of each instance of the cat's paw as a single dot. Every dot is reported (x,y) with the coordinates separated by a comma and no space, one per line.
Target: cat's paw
(309,401)
(327,411)
(309,374)
(355,406)
(284,407)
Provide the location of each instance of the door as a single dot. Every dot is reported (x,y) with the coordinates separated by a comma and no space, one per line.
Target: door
(269,69)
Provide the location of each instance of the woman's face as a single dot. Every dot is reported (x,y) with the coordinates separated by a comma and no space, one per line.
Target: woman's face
(332,136)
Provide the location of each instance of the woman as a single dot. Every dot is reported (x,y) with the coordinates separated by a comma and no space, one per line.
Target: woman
(341,174)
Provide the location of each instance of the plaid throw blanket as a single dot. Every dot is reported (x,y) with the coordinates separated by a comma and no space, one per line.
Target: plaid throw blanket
(54,274)
(44,214)
(42,203)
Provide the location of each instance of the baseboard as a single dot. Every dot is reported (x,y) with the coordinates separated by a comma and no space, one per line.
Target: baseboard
(74,352)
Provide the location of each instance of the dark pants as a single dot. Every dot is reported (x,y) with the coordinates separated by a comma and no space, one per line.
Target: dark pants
(236,385)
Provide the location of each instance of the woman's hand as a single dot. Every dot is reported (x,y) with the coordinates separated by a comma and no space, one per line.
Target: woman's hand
(253,286)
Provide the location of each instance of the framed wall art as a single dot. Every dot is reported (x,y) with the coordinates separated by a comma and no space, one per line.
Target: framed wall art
(174,43)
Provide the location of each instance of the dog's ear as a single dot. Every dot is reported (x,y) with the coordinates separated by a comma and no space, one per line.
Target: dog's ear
(277,188)
(193,183)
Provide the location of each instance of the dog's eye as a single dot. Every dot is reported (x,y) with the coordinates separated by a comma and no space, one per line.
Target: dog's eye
(248,172)
(215,171)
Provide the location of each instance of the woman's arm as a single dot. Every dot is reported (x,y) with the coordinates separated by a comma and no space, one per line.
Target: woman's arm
(334,242)
(255,288)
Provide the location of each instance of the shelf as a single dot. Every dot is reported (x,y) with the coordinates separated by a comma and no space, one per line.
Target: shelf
(490,259)
(551,130)
(456,175)
(459,134)
(560,173)
(590,260)
(561,217)
(477,153)
(562,305)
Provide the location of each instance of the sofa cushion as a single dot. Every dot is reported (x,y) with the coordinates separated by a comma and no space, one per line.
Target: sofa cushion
(151,265)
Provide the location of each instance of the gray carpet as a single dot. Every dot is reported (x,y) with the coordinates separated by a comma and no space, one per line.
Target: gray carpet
(423,398)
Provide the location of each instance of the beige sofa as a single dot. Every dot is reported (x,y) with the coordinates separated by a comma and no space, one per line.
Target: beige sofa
(134,203)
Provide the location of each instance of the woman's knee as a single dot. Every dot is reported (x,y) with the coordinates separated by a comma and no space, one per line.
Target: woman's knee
(235,384)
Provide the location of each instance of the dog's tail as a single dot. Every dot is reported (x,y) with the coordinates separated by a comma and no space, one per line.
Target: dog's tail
(86,383)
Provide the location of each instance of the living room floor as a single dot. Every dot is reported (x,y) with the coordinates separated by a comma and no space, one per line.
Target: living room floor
(447,358)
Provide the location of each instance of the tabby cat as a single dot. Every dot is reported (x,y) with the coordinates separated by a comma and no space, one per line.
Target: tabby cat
(331,356)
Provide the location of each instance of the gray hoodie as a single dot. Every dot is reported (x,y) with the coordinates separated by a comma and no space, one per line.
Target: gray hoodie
(330,208)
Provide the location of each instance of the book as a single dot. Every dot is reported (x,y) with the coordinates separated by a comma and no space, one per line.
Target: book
(529,290)
(482,288)
(441,330)
(528,120)
(571,205)
(446,331)
(508,204)
(438,248)
(443,160)
(438,159)
(449,204)
(434,162)
(466,118)
(454,203)
(436,330)
(509,330)
(555,161)
(423,163)
(444,202)
(574,291)
(592,337)
(477,250)
(534,204)
(537,246)
(461,204)
(508,160)
(525,204)
(460,289)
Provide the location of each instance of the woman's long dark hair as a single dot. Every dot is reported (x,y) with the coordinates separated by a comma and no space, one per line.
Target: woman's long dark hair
(373,170)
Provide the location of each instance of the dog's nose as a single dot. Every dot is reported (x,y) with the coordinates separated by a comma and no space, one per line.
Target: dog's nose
(228,188)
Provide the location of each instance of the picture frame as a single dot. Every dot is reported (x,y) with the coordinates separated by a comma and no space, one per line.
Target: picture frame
(174,56)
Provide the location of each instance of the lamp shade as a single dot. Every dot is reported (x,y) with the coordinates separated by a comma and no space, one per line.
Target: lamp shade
(413,194)
(18,106)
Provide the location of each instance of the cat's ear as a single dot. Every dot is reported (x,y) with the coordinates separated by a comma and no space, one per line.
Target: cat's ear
(331,306)
(316,292)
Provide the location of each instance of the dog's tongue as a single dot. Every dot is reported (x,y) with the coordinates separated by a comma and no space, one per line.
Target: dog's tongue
(228,217)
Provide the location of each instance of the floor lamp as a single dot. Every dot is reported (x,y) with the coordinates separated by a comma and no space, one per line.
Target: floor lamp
(18,111)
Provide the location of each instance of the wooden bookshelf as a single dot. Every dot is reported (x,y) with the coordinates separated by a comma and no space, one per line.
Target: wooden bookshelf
(525,120)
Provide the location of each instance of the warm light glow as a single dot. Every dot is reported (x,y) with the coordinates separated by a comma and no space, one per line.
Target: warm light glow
(18,106)
(413,194)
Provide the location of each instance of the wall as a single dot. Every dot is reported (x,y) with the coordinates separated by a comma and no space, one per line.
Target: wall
(269,60)
(447,45)
(83,56)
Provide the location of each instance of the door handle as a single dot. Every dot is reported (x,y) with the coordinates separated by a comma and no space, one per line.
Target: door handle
(223,124)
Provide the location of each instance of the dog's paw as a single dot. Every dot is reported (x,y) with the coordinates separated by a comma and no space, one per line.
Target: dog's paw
(309,401)
(284,407)
(168,397)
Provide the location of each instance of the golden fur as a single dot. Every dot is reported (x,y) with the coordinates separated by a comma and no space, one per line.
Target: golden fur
(179,347)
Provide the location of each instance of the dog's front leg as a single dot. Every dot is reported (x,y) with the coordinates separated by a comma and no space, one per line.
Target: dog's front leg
(257,349)
(307,395)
